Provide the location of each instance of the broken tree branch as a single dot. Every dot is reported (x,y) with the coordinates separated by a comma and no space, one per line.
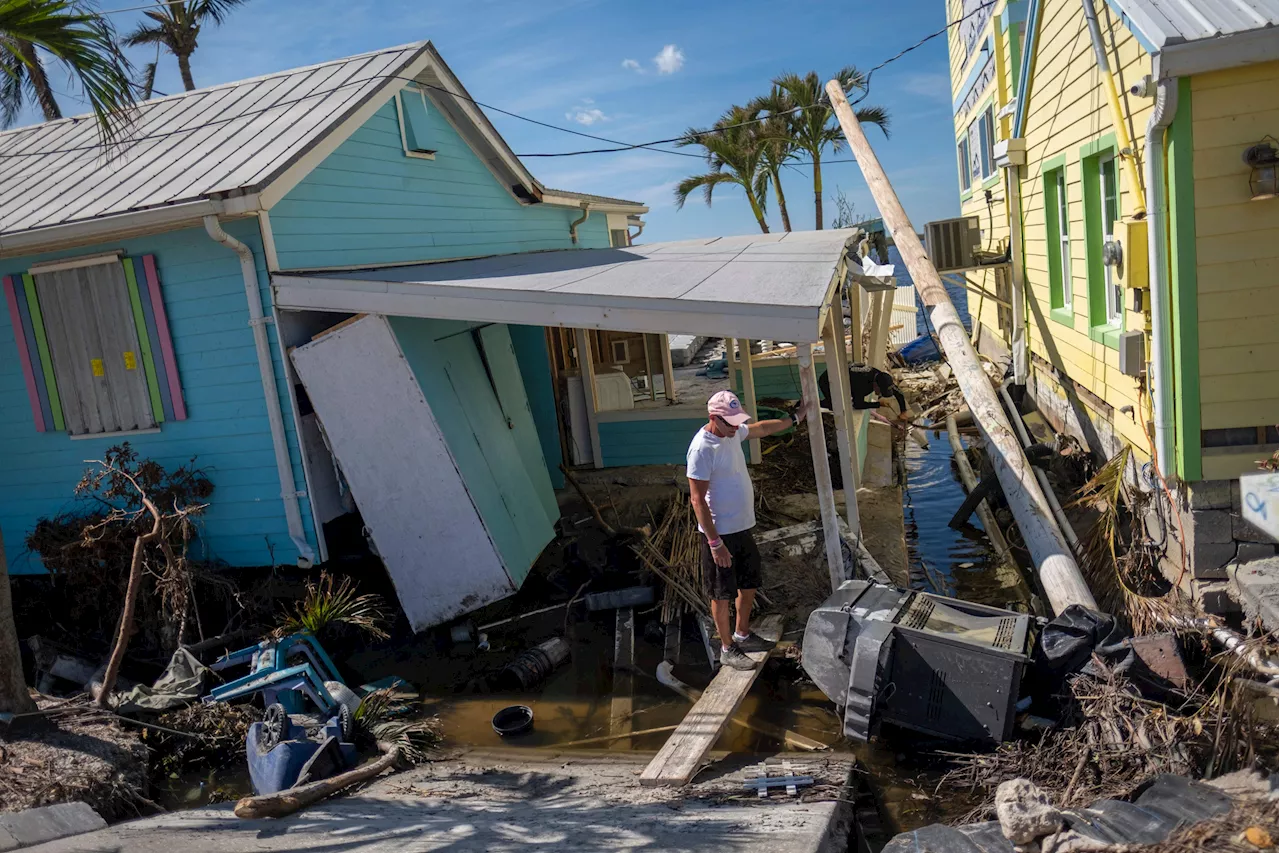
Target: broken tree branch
(130,599)
(291,800)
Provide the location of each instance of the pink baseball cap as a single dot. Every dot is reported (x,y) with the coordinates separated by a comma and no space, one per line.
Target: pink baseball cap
(725,405)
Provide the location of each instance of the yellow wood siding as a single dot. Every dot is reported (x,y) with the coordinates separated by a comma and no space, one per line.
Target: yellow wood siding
(1067,109)
(1236,256)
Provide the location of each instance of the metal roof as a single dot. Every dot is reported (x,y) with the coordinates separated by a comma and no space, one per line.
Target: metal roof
(226,139)
(1168,22)
(603,199)
(763,286)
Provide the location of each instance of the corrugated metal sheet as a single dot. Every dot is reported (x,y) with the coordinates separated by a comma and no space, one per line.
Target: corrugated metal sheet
(1165,23)
(97,361)
(233,137)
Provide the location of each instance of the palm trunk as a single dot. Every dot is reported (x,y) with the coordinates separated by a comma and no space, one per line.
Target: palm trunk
(184,68)
(39,81)
(755,208)
(782,200)
(14,697)
(817,190)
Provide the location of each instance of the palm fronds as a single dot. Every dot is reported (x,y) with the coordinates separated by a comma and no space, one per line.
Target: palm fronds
(333,602)
(385,717)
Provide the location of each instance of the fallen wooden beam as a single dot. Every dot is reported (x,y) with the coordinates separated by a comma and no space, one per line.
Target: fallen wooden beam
(624,659)
(683,753)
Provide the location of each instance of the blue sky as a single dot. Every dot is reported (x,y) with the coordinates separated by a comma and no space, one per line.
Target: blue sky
(566,63)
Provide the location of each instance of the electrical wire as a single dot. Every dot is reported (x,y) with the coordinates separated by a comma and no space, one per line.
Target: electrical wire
(650,145)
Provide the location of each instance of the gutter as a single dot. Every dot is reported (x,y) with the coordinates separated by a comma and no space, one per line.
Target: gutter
(257,321)
(1160,368)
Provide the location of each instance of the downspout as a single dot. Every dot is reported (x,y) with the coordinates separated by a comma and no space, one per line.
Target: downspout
(631,238)
(1160,370)
(257,321)
(573,226)
(1124,141)
(1013,200)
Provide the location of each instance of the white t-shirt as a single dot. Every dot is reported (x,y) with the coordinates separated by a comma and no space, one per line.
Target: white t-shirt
(721,462)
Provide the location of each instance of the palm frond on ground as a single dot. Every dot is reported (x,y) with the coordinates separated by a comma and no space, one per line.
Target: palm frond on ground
(332,602)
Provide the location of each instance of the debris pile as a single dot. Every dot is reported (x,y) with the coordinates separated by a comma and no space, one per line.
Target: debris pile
(671,554)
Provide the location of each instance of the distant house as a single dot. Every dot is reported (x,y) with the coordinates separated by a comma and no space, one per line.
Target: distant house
(339,291)
(1146,278)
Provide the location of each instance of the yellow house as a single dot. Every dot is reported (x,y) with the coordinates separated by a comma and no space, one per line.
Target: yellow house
(1120,157)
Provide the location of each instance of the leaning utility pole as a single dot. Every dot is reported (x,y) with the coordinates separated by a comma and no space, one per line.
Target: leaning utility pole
(1059,574)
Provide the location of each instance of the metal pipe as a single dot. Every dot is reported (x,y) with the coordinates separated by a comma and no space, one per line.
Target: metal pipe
(1061,577)
(257,322)
(1160,370)
(1117,114)
(821,467)
(1013,196)
(1025,438)
(573,226)
(631,238)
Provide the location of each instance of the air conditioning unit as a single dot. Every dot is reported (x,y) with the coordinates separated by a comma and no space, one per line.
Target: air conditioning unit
(950,243)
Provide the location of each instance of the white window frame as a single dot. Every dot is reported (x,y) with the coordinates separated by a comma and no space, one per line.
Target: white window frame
(404,139)
(626,352)
(962,155)
(1064,239)
(1113,299)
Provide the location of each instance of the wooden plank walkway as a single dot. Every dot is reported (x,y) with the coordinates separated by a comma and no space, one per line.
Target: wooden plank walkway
(682,755)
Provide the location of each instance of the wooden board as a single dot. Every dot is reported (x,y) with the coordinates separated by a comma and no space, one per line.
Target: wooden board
(624,661)
(682,754)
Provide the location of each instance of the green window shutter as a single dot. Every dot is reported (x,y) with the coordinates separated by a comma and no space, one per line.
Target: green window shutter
(417,130)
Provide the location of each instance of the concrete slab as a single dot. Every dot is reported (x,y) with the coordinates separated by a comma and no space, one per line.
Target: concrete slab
(1254,584)
(521,800)
(47,823)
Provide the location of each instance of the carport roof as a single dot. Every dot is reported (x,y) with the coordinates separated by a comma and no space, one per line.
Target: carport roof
(775,286)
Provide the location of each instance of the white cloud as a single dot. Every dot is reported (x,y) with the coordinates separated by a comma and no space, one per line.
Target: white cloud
(669,60)
(586,115)
(632,65)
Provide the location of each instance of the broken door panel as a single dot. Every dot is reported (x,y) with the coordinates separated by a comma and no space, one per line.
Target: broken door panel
(401,472)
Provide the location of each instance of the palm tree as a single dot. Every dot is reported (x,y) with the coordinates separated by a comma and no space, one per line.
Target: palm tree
(736,155)
(811,125)
(176,26)
(780,147)
(80,40)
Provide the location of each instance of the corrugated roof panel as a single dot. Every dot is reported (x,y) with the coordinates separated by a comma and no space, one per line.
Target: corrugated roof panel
(1165,23)
(186,146)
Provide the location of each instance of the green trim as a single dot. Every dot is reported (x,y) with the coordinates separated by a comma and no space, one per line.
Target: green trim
(1101,329)
(1053,163)
(1182,275)
(966,195)
(46,359)
(1058,309)
(144,340)
(991,181)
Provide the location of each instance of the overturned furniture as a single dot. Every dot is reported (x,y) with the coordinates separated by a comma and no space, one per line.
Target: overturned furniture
(937,665)
(282,754)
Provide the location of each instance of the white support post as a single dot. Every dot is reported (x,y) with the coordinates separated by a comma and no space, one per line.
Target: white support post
(821,470)
(668,372)
(838,377)
(855,319)
(587,368)
(877,299)
(648,367)
(881,345)
(748,391)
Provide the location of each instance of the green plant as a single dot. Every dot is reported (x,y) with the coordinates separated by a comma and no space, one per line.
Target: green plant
(736,155)
(331,602)
(80,40)
(175,26)
(386,718)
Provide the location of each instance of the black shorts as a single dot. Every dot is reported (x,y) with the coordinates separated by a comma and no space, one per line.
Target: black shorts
(722,584)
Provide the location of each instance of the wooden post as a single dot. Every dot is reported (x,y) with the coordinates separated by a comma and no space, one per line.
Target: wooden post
(749,393)
(648,367)
(624,663)
(587,370)
(821,470)
(842,408)
(668,373)
(855,316)
(877,299)
(1060,576)
(880,346)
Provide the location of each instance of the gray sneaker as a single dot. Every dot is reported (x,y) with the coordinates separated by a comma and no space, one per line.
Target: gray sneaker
(753,642)
(736,658)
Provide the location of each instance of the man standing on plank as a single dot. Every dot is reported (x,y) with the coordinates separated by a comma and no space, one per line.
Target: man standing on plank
(725,506)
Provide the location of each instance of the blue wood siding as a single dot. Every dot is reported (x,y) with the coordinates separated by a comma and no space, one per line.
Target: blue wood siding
(369,203)
(448,367)
(647,442)
(782,380)
(227,432)
(535,367)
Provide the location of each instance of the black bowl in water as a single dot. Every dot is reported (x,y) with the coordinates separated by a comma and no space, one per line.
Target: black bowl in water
(513,720)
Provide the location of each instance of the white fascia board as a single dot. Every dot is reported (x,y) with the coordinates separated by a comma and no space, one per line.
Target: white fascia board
(537,308)
(596,206)
(280,186)
(1217,54)
(106,228)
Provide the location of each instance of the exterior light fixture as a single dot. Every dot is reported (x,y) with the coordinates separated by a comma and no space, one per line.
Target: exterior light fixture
(1262,160)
